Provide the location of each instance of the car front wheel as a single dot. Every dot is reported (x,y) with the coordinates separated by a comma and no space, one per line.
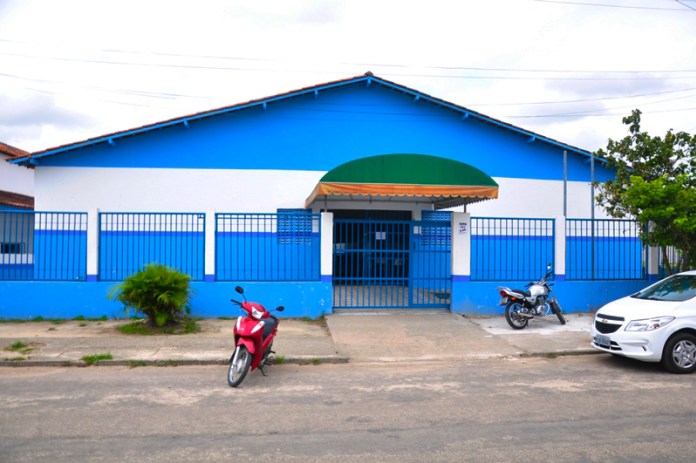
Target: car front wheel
(679,355)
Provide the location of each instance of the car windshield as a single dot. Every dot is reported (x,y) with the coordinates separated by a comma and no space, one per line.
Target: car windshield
(674,288)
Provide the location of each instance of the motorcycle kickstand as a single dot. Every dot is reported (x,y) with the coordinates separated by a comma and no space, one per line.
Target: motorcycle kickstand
(261,367)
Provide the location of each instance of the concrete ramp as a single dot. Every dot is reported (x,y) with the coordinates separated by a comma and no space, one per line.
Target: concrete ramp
(405,335)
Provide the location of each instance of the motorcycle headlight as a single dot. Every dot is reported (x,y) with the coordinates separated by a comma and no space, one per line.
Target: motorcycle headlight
(648,324)
(256,313)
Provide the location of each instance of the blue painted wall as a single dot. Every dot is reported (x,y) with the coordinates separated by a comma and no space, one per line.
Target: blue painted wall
(574,296)
(50,299)
(339,125)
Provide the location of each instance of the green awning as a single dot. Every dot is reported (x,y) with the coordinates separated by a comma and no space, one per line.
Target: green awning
(406,177)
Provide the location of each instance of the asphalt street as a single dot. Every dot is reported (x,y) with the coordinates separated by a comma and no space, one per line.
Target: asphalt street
(592,408)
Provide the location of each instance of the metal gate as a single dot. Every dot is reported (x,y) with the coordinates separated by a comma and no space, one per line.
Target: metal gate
(391,264)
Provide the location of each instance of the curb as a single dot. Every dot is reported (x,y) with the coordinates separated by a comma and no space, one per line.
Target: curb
(300,360)
(160,363)
(563,353)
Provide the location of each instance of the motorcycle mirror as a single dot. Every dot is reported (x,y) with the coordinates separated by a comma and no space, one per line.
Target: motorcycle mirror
(280,308)
(239,289)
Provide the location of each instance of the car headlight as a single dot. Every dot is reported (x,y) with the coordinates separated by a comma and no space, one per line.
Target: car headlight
(648,324)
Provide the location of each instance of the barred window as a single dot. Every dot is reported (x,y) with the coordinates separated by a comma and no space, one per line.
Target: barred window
(294,226)
(11,248)
(439,232)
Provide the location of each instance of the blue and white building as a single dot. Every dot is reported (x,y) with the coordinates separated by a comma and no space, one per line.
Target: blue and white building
(354,193)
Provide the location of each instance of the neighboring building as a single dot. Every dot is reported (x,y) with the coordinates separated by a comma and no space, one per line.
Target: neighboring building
(16,182)
(378,156)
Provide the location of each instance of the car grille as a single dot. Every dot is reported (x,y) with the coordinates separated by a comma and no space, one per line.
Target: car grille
(607,323)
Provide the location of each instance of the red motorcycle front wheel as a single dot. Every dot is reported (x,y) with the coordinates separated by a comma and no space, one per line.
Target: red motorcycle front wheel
(239,366)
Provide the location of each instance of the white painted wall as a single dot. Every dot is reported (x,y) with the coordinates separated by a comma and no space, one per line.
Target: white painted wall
(175,190)
(15,179)
(537,198)
(200,190)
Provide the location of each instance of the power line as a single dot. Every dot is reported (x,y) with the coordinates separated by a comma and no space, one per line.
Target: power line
(682,3)
(584,100)
(273,60)
(396,74)
(590,112)
(572,115)
(606,5)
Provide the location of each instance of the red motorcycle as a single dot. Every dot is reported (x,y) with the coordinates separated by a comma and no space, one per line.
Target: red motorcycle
(253,338)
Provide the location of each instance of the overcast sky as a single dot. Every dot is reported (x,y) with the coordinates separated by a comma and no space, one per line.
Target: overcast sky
(567,69)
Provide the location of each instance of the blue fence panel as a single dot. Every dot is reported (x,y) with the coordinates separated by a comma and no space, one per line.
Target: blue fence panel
(604,249)
(128,241)
(506,249)
(43,245)
(430,279)
(283,246)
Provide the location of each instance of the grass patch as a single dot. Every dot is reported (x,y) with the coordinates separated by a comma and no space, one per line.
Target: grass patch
(141,327)
(136,363)
(316,361)
(279,359)
(55,321)
(137,327)
(191,326)
(319,321)
(92,359)
(167,363)
(20,347)
(17,346)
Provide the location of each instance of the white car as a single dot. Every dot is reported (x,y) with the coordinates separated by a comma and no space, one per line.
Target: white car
(657,324)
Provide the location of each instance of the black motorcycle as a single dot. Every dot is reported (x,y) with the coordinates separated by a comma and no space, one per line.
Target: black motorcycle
(523,305)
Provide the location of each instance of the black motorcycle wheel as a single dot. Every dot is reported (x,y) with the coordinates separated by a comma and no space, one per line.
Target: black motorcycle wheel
(555,306)
(514,316)
(239,367)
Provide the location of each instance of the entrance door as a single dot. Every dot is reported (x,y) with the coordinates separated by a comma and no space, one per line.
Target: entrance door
(392,263)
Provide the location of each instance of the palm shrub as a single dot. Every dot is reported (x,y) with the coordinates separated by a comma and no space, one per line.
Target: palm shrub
(158,292)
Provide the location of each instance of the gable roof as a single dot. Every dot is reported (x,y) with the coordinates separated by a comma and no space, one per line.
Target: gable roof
(367,79)
(11,151)
(7,198)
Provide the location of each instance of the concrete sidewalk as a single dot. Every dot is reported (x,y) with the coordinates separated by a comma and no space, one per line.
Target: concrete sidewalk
(357,336)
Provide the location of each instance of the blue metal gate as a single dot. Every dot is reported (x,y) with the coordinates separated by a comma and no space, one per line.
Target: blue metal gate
(392,264)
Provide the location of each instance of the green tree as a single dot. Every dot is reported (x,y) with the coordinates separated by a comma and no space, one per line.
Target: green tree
(655,184)
(160,293)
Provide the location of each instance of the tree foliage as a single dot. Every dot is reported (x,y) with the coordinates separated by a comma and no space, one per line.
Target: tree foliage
(160,293)
(655,184)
